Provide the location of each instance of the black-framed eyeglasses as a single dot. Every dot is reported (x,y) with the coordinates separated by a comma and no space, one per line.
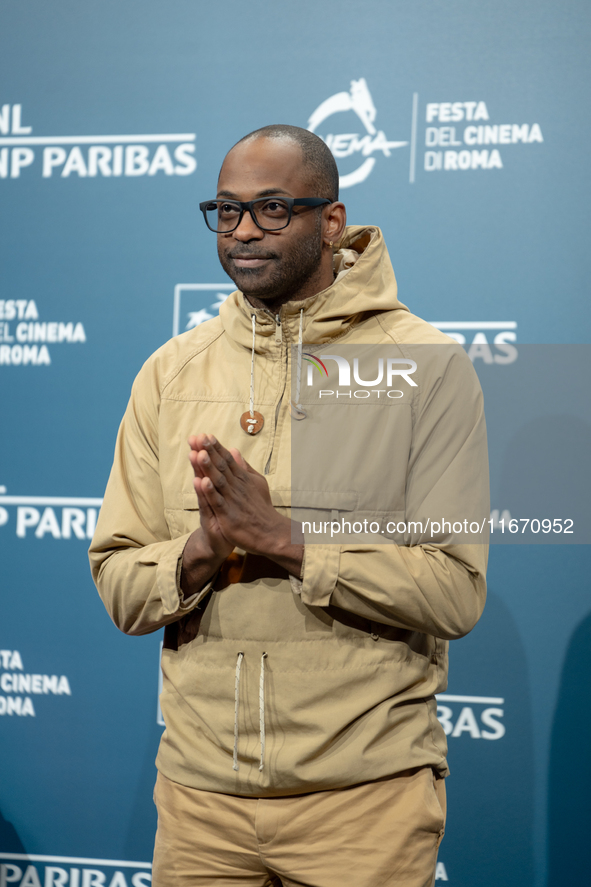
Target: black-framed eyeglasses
(268,213)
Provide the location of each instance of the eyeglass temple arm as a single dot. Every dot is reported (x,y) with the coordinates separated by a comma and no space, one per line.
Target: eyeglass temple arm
(311,201)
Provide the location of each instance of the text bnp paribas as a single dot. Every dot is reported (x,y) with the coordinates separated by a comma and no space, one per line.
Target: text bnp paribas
(90,156)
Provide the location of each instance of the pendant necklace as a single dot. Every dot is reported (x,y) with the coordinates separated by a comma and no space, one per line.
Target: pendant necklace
(252,421)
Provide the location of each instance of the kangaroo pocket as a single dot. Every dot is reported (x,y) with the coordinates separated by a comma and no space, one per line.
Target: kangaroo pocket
(351,448)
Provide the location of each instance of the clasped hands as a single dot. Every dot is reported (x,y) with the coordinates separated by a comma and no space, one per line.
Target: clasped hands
(236,512)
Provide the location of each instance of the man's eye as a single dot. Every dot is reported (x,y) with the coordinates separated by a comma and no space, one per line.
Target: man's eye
(227,208)
(274,207)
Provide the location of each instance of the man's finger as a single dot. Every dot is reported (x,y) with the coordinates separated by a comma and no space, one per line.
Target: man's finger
(221,457)
(197,444)
(198,441)
(239,458)
(195,464)
(214,498)
(208,518)
(246,466)
(206,513)
(220,477)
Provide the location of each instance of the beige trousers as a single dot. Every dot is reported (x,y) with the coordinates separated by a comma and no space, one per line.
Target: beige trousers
(371,835)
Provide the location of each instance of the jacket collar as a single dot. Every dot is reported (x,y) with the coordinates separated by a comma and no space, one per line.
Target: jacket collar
(368,287)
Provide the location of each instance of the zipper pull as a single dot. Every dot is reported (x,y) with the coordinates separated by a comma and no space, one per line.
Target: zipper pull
(278,336)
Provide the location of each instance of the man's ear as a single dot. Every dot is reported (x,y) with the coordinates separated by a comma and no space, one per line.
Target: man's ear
(335,220)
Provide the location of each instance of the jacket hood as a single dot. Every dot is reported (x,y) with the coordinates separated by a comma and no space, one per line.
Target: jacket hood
(365,285)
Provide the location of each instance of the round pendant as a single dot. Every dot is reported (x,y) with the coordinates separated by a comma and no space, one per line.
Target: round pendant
(296,412)
(251,424)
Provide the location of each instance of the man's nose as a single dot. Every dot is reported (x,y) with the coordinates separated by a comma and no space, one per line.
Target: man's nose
(247,230)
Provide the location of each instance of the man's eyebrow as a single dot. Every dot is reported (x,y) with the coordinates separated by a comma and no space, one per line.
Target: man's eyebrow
(269,191)
(265,193)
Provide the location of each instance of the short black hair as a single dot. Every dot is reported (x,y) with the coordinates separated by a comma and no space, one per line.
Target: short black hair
(316,155)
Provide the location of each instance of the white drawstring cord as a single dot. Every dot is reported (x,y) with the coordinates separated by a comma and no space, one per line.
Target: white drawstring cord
(262,710)
(262,736)
(236,703)
(295,408)
(299,369)
(254,333)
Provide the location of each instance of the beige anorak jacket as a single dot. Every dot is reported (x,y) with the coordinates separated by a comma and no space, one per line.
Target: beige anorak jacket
(274,685)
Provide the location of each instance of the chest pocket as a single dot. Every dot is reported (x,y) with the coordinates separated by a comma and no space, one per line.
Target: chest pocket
(182,508)
(326,500)
(181,511)
(322,505)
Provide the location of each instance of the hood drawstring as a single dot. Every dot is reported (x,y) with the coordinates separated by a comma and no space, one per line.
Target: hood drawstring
(239,659)
(295,409)
(236,703)
(262,710)
(254,338)
(252,421)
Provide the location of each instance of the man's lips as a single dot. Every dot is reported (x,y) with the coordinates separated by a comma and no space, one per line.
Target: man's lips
(249,260)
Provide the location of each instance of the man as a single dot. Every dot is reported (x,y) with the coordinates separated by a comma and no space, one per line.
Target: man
(301,745)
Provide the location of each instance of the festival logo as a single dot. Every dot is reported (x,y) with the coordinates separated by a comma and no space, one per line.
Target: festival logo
(458,136)
(361,146)
(194,303)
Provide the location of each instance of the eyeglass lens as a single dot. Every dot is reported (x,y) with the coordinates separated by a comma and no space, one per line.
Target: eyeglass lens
(223,215)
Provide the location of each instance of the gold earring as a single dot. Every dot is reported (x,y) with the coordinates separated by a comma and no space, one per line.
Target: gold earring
(330,243)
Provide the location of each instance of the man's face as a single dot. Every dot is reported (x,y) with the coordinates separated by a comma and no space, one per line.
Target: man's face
(270,265)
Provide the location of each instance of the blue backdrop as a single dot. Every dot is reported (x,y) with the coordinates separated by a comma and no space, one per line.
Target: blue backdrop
(462,129)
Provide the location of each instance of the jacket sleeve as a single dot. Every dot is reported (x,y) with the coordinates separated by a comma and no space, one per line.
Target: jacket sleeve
(135,564)
(430,582)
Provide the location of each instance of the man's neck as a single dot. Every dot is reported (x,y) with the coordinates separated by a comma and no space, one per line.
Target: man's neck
(274,306)
(311,288)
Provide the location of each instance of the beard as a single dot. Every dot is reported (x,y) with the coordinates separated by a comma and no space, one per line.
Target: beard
(285,274)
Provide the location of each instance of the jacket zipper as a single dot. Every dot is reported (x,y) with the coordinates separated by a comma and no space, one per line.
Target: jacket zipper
(278,341)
